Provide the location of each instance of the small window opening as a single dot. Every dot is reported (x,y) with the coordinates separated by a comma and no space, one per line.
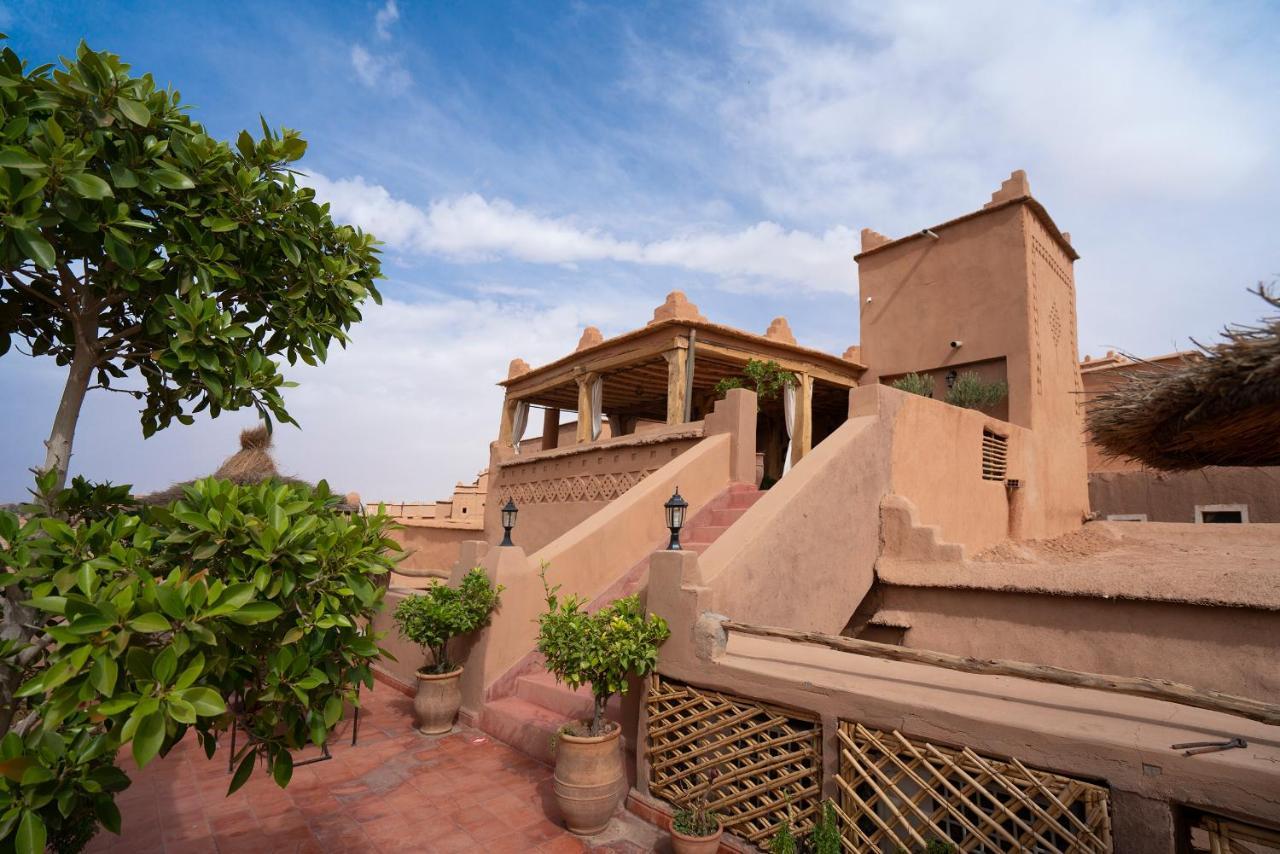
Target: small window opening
(995,456)
(1222,514)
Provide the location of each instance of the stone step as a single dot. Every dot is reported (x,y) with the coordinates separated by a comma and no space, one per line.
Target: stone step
(541,689)
(702,533)
(723,518)
(744,499)
(529,728)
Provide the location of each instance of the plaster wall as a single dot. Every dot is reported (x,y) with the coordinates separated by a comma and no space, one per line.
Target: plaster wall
(1209,647)
(804,555)
(1173,496)
(1097,735)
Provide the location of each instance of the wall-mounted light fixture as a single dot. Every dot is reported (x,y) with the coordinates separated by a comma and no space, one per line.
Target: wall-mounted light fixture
(509,512)
(676,507)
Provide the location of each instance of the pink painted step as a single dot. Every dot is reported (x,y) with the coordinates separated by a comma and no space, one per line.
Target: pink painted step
(528,715)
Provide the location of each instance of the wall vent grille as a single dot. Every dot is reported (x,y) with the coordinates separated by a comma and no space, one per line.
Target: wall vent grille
(995,456)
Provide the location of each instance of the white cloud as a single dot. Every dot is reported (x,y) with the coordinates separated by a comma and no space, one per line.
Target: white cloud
(379,71)
(387,15)
(471,227)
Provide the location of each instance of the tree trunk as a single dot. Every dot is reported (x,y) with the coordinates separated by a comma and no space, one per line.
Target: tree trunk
(58,447)
(597,717)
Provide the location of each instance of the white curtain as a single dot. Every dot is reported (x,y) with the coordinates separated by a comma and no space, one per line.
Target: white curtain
(789,415)
(597,392)
(519,421)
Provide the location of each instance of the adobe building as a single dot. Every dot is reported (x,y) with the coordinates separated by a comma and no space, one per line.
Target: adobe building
(1126,490)
(916,620)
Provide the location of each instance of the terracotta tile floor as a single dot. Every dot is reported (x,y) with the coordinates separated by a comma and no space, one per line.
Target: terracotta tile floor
(395,790)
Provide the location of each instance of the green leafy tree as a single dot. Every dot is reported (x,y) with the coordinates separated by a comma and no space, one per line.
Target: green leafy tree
(767,378)
(236,604)
(602,649)
(442,613)
(147,257)
(913,383)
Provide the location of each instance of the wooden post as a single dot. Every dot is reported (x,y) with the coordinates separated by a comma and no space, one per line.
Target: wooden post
(677,383)
(584,407)
(550,428)
(802,430)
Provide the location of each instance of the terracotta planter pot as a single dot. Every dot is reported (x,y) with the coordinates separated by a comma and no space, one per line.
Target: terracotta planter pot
(589,777)
(696,844)
(437,701)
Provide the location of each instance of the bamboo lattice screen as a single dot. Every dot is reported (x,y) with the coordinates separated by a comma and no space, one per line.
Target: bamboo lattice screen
(767,759)
(900,794)
(1218,835)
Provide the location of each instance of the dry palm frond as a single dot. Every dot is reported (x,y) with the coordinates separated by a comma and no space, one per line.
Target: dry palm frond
(1220,408)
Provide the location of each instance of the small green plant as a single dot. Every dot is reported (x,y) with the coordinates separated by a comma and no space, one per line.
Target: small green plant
(768,378)
(913,383)
(433,618)
(601,649)
(694,818)
(970,392)
(784,841)
(825,838)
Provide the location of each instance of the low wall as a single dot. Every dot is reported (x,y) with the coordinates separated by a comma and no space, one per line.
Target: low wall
(1216,648)
(1173,496)
(1121,741)
(432,547)
(558,489)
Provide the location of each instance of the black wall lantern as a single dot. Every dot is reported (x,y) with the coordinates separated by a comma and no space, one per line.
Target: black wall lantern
(951,378)
(676,508)
(509,512)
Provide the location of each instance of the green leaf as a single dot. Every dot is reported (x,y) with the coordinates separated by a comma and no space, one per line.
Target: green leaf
(31,834)
(150,623)
(165,665)
(108,813)
(103,675)
(122,176)
(180,710)
(171,179)
(89,186)
(134,111)
(37,248)
(242,772)
(148,738)
(282,769)
(16,158)
(206,701)
(256,612)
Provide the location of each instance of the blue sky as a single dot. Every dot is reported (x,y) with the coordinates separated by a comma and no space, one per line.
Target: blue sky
(535,167)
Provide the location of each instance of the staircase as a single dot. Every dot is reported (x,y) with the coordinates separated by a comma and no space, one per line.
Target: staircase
(530,706)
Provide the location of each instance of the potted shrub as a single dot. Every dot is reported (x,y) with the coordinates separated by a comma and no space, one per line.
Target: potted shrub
(695,829)
(602,650)
(431,619)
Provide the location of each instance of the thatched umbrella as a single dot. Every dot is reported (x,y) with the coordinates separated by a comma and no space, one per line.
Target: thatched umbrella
(1219,408)
(251,464)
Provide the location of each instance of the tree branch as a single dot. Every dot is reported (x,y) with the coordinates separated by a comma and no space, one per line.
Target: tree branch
(32,292)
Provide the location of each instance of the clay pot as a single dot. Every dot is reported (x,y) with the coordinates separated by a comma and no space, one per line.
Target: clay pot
(696,844)
(759,468)
(589,778)
(437,701)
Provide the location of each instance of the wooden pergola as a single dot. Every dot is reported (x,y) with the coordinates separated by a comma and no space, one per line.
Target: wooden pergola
(667,372)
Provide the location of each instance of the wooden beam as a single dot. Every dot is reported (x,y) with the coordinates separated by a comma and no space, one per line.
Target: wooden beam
(530,384)
(1135,686)
(802,430)
(789,363)
(677,383)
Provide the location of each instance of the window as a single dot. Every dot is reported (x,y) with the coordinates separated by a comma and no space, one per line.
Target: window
(1126,517)
(995,455)
(1230,514)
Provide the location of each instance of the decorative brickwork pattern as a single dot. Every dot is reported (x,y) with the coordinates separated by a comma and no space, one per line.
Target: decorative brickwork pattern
(585,487)
(767,759)
(899,793)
